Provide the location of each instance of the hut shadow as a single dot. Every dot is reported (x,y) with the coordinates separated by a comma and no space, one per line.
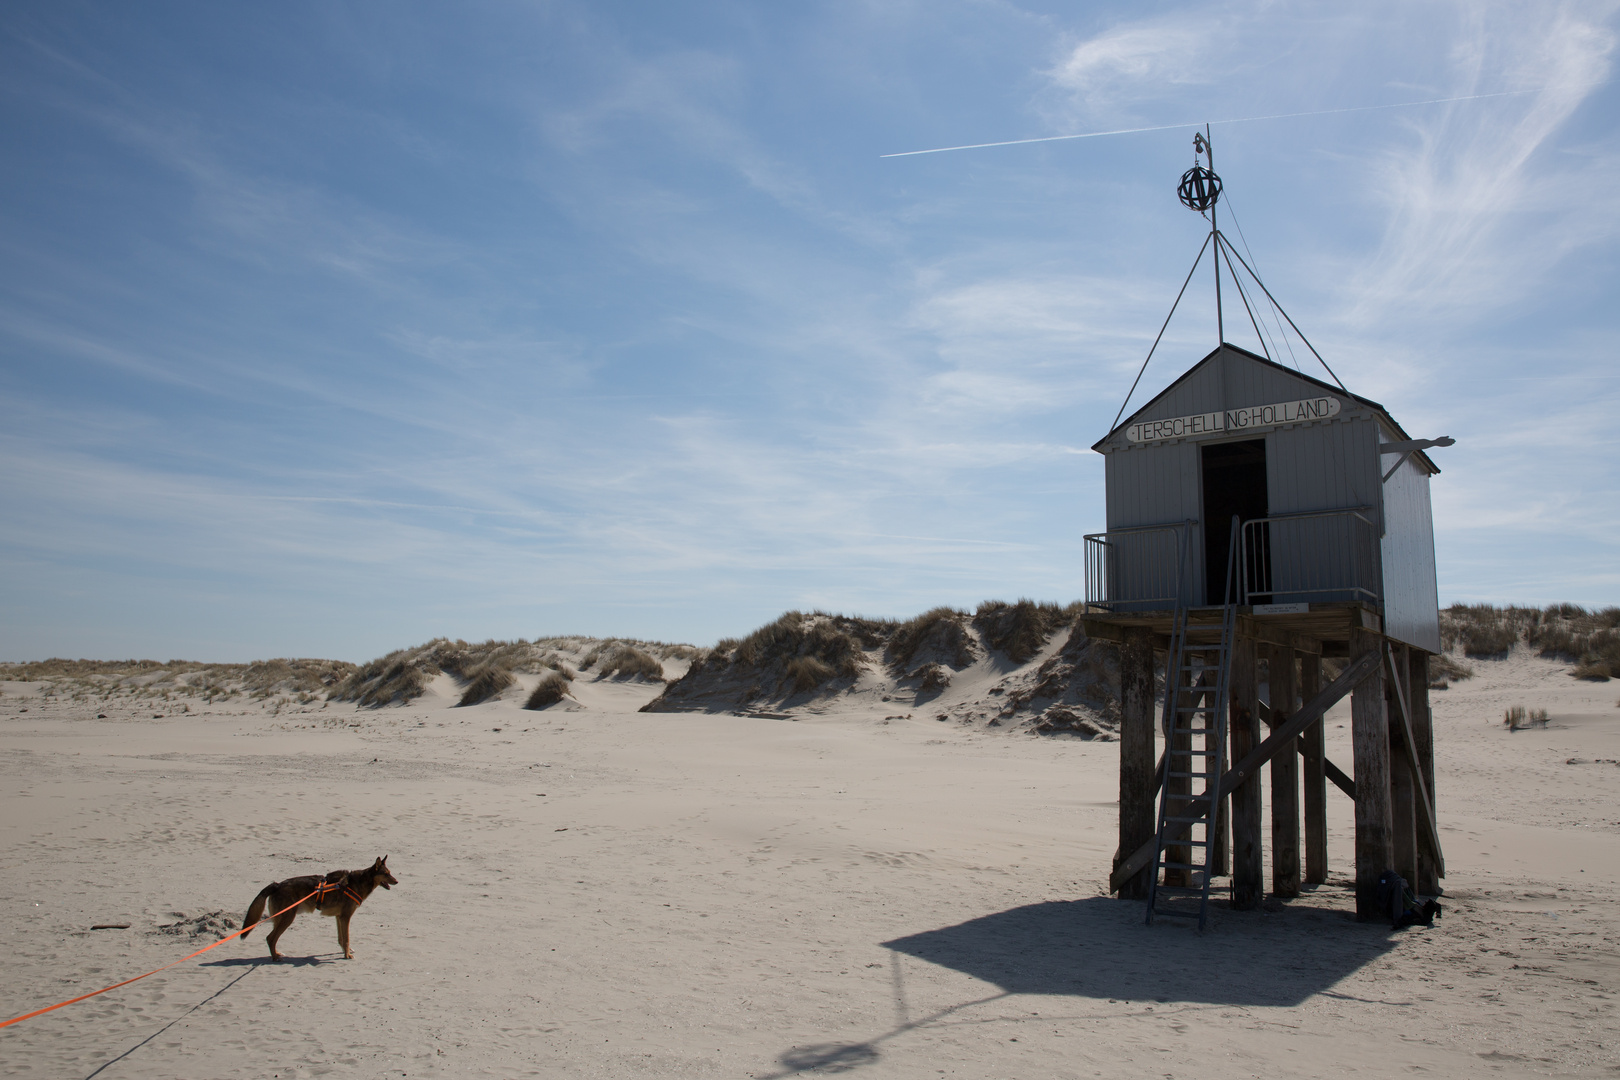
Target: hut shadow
(1100,948)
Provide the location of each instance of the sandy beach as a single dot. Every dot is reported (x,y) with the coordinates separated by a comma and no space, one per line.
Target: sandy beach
(597,892)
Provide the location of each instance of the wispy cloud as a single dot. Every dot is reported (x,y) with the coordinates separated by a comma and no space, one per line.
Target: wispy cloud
(1143,60)
(1476,208)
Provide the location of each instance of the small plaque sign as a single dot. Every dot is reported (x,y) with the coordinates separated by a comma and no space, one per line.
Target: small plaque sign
(1282,609)
(1254,416)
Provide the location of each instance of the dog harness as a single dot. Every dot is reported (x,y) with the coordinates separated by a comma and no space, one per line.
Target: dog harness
(327,888)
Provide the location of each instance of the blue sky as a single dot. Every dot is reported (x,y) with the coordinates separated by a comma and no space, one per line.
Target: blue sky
(329,328)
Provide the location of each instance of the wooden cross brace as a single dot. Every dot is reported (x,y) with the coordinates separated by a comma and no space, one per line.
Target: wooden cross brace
(1281,736)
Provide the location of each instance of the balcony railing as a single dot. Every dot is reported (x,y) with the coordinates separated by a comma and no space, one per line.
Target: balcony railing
(1318,556)
(1138,569)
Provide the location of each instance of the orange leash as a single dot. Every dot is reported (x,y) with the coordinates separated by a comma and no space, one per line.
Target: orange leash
(154,971)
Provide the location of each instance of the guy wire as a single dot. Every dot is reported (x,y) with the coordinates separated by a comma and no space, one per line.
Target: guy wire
(1280,331)
(1291,322)
(1167,318)
(1220,245)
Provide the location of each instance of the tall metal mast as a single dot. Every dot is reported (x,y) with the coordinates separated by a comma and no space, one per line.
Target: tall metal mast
(1215,232)
(1200,189)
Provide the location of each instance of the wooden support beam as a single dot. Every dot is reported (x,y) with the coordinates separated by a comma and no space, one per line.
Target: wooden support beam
(1402,773)
(1369,733)
(1310,712)
(1266,632)
(1331,772)
(1403,817)
(1284,780)
(1425,808)
(1313,756)
(1138,779)
(1348,681)
(1220,864)
(1417,685)
(1341,779)
(1103,629)
(1243,720)
(1305,645)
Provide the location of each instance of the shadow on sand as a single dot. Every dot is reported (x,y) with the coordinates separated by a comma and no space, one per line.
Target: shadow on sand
(1100,948)
(109,1063)
(265,961)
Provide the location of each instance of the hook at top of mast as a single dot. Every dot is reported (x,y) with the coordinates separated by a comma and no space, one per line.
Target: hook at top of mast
(1200,188)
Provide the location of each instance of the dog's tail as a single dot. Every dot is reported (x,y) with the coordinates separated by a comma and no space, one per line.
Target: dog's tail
(255,910)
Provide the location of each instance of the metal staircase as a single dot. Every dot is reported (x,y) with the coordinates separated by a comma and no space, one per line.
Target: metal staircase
(1196,690)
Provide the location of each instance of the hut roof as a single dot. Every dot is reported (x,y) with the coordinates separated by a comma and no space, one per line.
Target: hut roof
(1143,412)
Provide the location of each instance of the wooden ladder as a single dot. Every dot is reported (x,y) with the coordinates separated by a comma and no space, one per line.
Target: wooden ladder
(1195,696)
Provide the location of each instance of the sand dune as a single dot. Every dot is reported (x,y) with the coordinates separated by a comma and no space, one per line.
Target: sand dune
(1023,667)
(590,890)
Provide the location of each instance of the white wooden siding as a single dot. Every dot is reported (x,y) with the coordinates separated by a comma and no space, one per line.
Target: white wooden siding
(1411,591)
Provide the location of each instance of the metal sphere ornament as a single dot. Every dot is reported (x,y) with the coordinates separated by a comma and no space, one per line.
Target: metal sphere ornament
(1200,189)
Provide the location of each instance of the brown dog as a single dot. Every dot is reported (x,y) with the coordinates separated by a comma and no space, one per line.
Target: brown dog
(339,894)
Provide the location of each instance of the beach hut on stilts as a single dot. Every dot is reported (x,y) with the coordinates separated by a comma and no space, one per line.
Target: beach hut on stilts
(1262,521)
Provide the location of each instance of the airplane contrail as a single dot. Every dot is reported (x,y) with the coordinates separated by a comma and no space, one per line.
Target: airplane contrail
(1235,120)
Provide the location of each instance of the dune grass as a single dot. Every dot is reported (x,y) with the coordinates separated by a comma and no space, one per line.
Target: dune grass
(551,689)
(807,673)
(487,668)
(799,651)
(627,662)
(941,632)
(1445,668)
(1021,629)
(1482,630)
(1589,638)
(392,679)
(485,681)
(84,679)
(1517,717)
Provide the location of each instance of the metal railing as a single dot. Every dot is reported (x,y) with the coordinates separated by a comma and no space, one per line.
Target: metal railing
(1320,555)
(1137,569)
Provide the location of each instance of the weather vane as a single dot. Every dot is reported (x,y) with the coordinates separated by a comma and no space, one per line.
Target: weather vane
(1200,187)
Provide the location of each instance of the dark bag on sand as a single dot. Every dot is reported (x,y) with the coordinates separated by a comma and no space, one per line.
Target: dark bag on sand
(1396,897)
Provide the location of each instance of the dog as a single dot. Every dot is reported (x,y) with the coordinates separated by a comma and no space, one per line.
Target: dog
(340,893)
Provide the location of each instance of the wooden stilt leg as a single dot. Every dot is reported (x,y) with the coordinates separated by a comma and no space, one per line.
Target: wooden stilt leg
(1403,823)
(1402,790)
(1137,754)
(1248,869)
(1284,781)
(1315,796)
(1369,724)
(1221,859)
(1428,879)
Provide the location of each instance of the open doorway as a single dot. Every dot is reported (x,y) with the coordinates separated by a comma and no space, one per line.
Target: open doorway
(1234,484)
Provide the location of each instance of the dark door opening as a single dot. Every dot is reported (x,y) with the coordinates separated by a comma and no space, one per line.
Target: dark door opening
(1234,484)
